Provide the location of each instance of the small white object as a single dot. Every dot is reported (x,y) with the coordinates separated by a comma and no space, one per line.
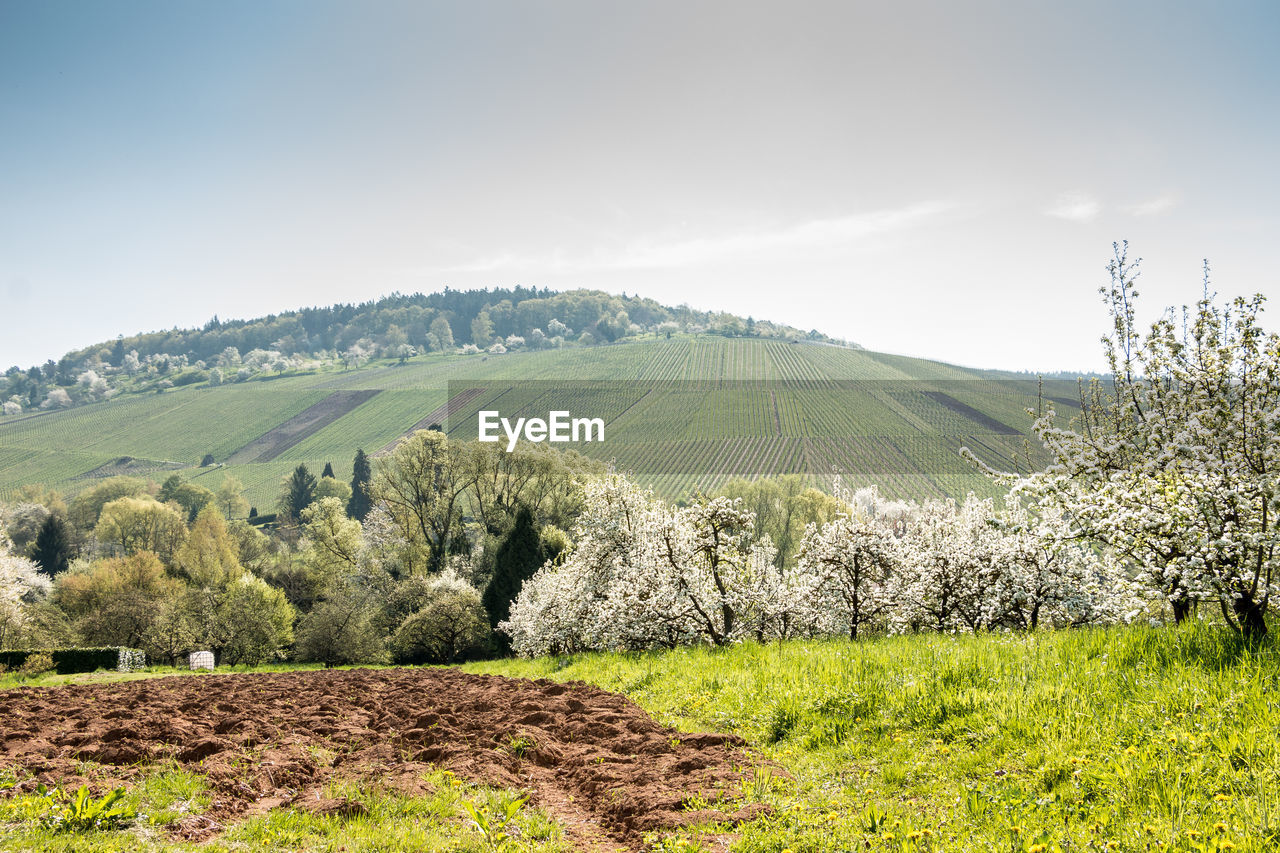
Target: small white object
(201,660)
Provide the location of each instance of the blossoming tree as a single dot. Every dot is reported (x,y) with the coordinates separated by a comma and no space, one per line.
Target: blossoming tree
(1173,464)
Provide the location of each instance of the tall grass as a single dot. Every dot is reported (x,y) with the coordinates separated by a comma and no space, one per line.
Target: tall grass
(380,821)
(1131,738)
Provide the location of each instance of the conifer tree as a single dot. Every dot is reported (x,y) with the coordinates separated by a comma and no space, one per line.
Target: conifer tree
(52,551)
(300,491)
(518,557)
(360,504)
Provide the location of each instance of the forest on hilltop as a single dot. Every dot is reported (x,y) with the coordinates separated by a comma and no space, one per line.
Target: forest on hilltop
(396,326)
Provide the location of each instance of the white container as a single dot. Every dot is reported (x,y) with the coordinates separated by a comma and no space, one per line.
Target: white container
(201,660)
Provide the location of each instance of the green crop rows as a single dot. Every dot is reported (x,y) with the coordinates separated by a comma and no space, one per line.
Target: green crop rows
(874,417)
(371,425)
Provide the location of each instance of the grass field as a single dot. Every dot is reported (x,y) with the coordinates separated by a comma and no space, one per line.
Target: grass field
(1129,739)
(386,821)
(890,420)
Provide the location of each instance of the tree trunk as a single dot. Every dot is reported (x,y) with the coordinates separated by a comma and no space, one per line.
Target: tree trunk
(1181,610)
(1252,617)
(726,613)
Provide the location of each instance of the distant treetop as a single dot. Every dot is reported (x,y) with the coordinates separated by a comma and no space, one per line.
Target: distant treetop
(511,311)
(396,326)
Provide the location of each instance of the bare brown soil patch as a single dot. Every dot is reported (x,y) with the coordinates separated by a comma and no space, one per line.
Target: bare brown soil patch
(275,441)
(593,759)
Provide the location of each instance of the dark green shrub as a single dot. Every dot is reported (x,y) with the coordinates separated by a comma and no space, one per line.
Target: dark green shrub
(67,661)
(190,377)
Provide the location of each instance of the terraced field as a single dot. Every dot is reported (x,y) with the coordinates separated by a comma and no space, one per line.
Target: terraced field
(681,413)
(902,434)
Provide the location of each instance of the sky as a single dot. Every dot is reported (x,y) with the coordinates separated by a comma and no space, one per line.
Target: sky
(942,179)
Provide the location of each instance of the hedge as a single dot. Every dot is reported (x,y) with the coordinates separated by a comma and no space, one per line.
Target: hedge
(67,661)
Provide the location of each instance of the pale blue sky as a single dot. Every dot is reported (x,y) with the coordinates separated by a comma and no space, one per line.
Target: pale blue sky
(941,179)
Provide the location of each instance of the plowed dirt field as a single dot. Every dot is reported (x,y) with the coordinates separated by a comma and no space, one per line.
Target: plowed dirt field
(594,760)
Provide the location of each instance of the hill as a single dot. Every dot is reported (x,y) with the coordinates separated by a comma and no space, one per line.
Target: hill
(771,407)
(396,326)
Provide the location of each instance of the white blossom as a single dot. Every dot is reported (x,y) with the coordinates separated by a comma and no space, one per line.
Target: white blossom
(643,574)
(20,584)
(58,398)
(1174,466)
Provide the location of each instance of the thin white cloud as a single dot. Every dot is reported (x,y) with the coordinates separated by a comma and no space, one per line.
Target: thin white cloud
(1156,206)
(1075,206)
(818,235)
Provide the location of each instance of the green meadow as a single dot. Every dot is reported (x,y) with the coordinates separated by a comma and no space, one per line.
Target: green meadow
(1129,738)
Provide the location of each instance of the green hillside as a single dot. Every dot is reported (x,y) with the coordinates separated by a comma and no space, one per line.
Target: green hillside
(760,407)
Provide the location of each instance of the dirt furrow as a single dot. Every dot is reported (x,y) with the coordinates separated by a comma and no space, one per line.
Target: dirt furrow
(593,759)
